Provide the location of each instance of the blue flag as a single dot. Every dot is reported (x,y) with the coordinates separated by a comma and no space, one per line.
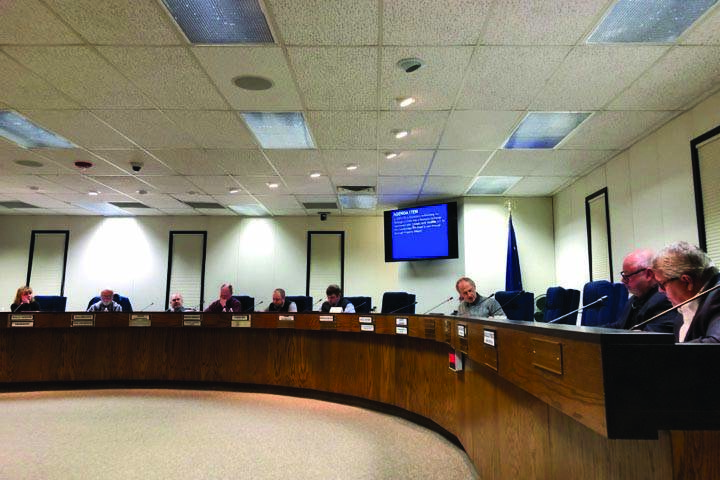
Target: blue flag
(513,278)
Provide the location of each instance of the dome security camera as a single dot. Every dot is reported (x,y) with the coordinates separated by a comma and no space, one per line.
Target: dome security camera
(323,216)
(136,166)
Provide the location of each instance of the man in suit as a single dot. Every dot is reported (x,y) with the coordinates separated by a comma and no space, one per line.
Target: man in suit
(106,303)
(646,301)
(683,271)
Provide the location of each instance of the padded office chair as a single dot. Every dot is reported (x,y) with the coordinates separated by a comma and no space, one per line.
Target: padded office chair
(398,302)
(123,301)
(247,302)
(603,312)
(517,305)
(621,293)
(303,303)
(51,303)
(561,301)
(361,304)
(540,308)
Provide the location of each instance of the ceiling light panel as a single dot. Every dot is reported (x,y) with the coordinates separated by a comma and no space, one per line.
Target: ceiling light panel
(360,202)
(279,130)
(492,185)
(221,21)
(648,21)
(23,132)
(544,129)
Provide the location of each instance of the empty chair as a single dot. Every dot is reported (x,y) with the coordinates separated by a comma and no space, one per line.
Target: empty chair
(361,304)
(398,302)
(247,302)
(560,301)
(603,312)
(51,303)
(517,305)
(302,302)
(123,301)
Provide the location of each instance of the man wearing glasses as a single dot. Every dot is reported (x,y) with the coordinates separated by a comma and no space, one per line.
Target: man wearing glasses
(646,301)
(683,271)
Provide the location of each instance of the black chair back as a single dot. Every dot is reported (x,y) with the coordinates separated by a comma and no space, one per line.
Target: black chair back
(51,303)
(361,304)
(398,302)
(247,302)
(303,303)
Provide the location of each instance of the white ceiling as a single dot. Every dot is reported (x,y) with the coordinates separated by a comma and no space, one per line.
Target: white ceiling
(119,79)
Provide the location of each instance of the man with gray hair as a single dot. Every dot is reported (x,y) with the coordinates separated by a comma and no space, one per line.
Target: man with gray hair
(683,271)
(646,301)
(474,305)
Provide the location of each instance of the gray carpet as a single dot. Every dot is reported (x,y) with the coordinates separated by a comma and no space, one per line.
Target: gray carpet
(192,434)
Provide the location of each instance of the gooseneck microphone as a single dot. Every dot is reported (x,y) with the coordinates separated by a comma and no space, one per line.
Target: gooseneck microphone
(502,307)
(439,304)
(361,305)
(253,307)
(18,307)
(401,308)
(701,294)
(146,307)
(601,299)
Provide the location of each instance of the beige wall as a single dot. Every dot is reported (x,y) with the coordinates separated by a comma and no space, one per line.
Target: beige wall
(650,193)
(259,254)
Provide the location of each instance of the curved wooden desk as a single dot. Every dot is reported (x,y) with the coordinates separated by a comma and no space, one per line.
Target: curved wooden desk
(543,402)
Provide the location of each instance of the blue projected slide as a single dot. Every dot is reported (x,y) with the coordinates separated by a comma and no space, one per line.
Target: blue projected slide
(420,232)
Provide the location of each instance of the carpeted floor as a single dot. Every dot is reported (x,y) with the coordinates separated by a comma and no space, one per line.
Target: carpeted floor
(177,434)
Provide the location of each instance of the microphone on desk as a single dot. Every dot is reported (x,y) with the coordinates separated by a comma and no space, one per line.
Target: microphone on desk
(361,305)
(439,304)
(577,310)
(18,307)
(401,308)
(253,307)
(502,307)
(146,307)
(701,294)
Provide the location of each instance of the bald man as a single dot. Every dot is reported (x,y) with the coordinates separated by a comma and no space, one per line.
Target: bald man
(106,303)
(646,301)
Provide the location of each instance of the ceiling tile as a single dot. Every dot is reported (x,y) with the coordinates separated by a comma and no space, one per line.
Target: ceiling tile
(73,211)
(216,212)
(391,201)
(20,88)
(143,212)
(147,128)
(234,199)
(344,129)
(82,74)
(350,180)
(119,22)
(560,163)
(213,184)
(74,188)
(31,22)
(67,158)
(20,184)
(9,156)
(434,86)
(434,22)
(126,184)
(342,78)
(538,186)
(225,63)
(274,202)
(163,202)
(399,185)
(706,32)
(241,162)
(614,130)
(306,185)
(680,77)
(589,77)
(80,127)
(336,160)
(318,199)
(168,184)
(195,197)
(326,22)
(424,126)
(408,162)
(258,185)
(296,162)
(168,75)
(448,185)
(479,129)
(288,212)
(213,129)
(186,212)
(123,158)
(458,162)
(539,22)
(40,200)
(508,78)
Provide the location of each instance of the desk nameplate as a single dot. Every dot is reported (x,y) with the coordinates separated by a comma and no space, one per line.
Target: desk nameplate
(139,320)
(192,320)
(367,320)
(547,355)
(366,327)
(327,318)
(21,320)
(83,320)
(241,321)
(401,322)
(401,330)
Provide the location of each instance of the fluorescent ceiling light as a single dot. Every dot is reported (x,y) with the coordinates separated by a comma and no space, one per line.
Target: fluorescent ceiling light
(390,155)
(286,130)
(315,175)
(400,133)
(648,21)
(273,185)
(23,132)
(351,167)
(358,202)
(221,21)
(492,185)
(544,129)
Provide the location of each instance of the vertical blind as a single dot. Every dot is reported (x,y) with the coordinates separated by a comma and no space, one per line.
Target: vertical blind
(186,267)
(599,239)
(48,263)
(709,156)
(325,262)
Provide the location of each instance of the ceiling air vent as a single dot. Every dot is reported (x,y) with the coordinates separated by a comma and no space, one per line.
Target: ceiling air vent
(15,204)
(128,204)
(320,206)
(205,205)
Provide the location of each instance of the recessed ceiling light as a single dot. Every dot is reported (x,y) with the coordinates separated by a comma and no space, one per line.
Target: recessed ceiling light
(400,133)
(192,192)
(279,130)
(352,166)
(315,175)
(233,190)
(272,185)
(25,133)
(93,193)
(34,188)
(544,129)
(409,65)
(405,102)
(390,155)
(83,165)
(28,163)
(142,192)
(252,82)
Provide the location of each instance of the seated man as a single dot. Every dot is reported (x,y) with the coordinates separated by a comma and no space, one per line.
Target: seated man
(682,271)
(474,305)
(279,304)
(106,303)
(176,304)
(335,300)
(646,301)
(226,302)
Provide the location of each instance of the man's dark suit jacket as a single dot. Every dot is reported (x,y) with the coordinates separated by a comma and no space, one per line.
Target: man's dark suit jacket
(639,309)
(705,325)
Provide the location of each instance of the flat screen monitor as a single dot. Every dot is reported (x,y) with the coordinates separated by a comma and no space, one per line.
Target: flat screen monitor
(421,233)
